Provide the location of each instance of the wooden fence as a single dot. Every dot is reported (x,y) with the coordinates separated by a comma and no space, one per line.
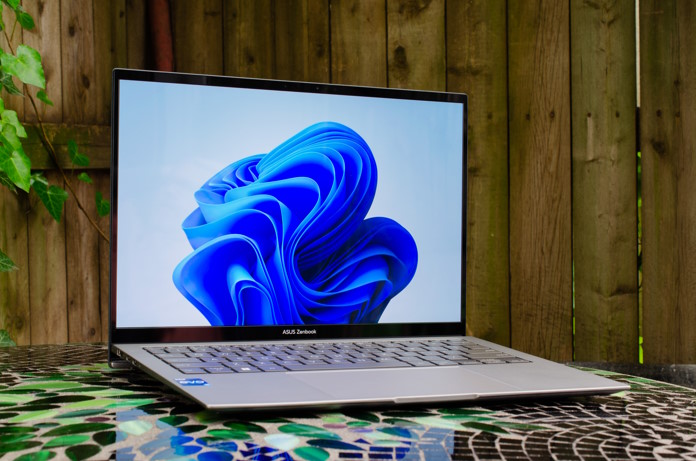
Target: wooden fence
(553,228)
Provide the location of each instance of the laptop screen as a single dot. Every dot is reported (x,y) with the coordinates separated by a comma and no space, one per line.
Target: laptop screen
(250,203)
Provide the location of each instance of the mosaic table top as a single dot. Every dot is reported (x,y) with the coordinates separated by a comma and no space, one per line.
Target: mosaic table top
(64,402)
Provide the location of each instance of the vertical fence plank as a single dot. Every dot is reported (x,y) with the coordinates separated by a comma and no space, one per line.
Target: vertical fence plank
(80,105)
(82,255)
(14,286)
(78,66)
(416,44)
(230,36)
(15,103)
(48,295)
(46,39)
(302,40)
(46,263)
(249,39)
(477,65)
(605,244)
(102,182)
(668,145)
(540,224)
(111,44)
(197,36)
(136,35)
(358,42)
(111,47)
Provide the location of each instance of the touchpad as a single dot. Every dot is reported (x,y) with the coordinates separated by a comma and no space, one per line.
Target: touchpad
(403,384)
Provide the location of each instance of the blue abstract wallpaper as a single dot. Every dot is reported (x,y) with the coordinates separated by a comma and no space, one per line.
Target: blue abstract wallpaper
(282,238)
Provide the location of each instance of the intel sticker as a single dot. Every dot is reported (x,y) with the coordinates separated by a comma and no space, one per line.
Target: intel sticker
(192,382)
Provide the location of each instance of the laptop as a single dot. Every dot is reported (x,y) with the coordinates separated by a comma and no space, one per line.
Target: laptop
(280,245)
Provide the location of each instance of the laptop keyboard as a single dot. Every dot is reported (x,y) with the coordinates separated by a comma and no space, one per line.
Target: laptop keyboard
(215,359)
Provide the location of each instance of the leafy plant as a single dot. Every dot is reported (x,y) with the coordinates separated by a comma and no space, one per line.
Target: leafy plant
(5,340)
(16,174)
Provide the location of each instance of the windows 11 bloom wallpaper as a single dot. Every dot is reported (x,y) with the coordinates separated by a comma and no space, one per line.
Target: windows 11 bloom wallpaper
(281,238)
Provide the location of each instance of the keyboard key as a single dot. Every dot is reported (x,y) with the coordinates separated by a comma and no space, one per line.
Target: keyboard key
(245,369)
(467,362)
(181,360)
(315,366)
(271,368)
(362,360)
(444,363)
(236,364)
(214,360)
(202,349)
(192,371)
(218,370)
(168,355)
(177,349)
(155,350)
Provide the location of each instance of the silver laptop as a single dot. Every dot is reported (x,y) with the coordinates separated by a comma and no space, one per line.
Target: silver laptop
(286,245)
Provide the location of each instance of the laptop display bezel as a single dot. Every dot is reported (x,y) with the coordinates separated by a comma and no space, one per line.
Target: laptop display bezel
(289,332)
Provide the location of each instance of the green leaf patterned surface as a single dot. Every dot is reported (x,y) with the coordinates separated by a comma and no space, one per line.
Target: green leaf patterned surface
(64,402)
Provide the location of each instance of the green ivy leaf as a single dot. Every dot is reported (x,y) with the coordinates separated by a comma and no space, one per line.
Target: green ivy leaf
(9,117)
(75,156)
(5,339)
(26,66)
(24,19)
(15,163)
(11,3)
(6,181)
(41,96)
(38,178)
(6,264)
(84,177)
(7,83)
(103,206)
(10,136)
(53,197)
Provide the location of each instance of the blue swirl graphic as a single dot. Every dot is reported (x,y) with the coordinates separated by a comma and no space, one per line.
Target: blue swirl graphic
(281,238)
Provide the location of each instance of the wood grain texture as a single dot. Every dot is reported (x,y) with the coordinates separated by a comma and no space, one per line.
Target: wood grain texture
(110,44)
(82,261)
(358,42)
(47,272)
(605,244)
(15,103)
(15,316)
(197,36)
(46,39)
(249,35)
(136,38)
(540,200)
(80,85)
(416,44)
(668,145)
(477,65)
(102,183)
(302,40)
(94,140)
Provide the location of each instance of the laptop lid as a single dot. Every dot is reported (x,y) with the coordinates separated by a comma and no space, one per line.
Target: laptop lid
(247,209)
